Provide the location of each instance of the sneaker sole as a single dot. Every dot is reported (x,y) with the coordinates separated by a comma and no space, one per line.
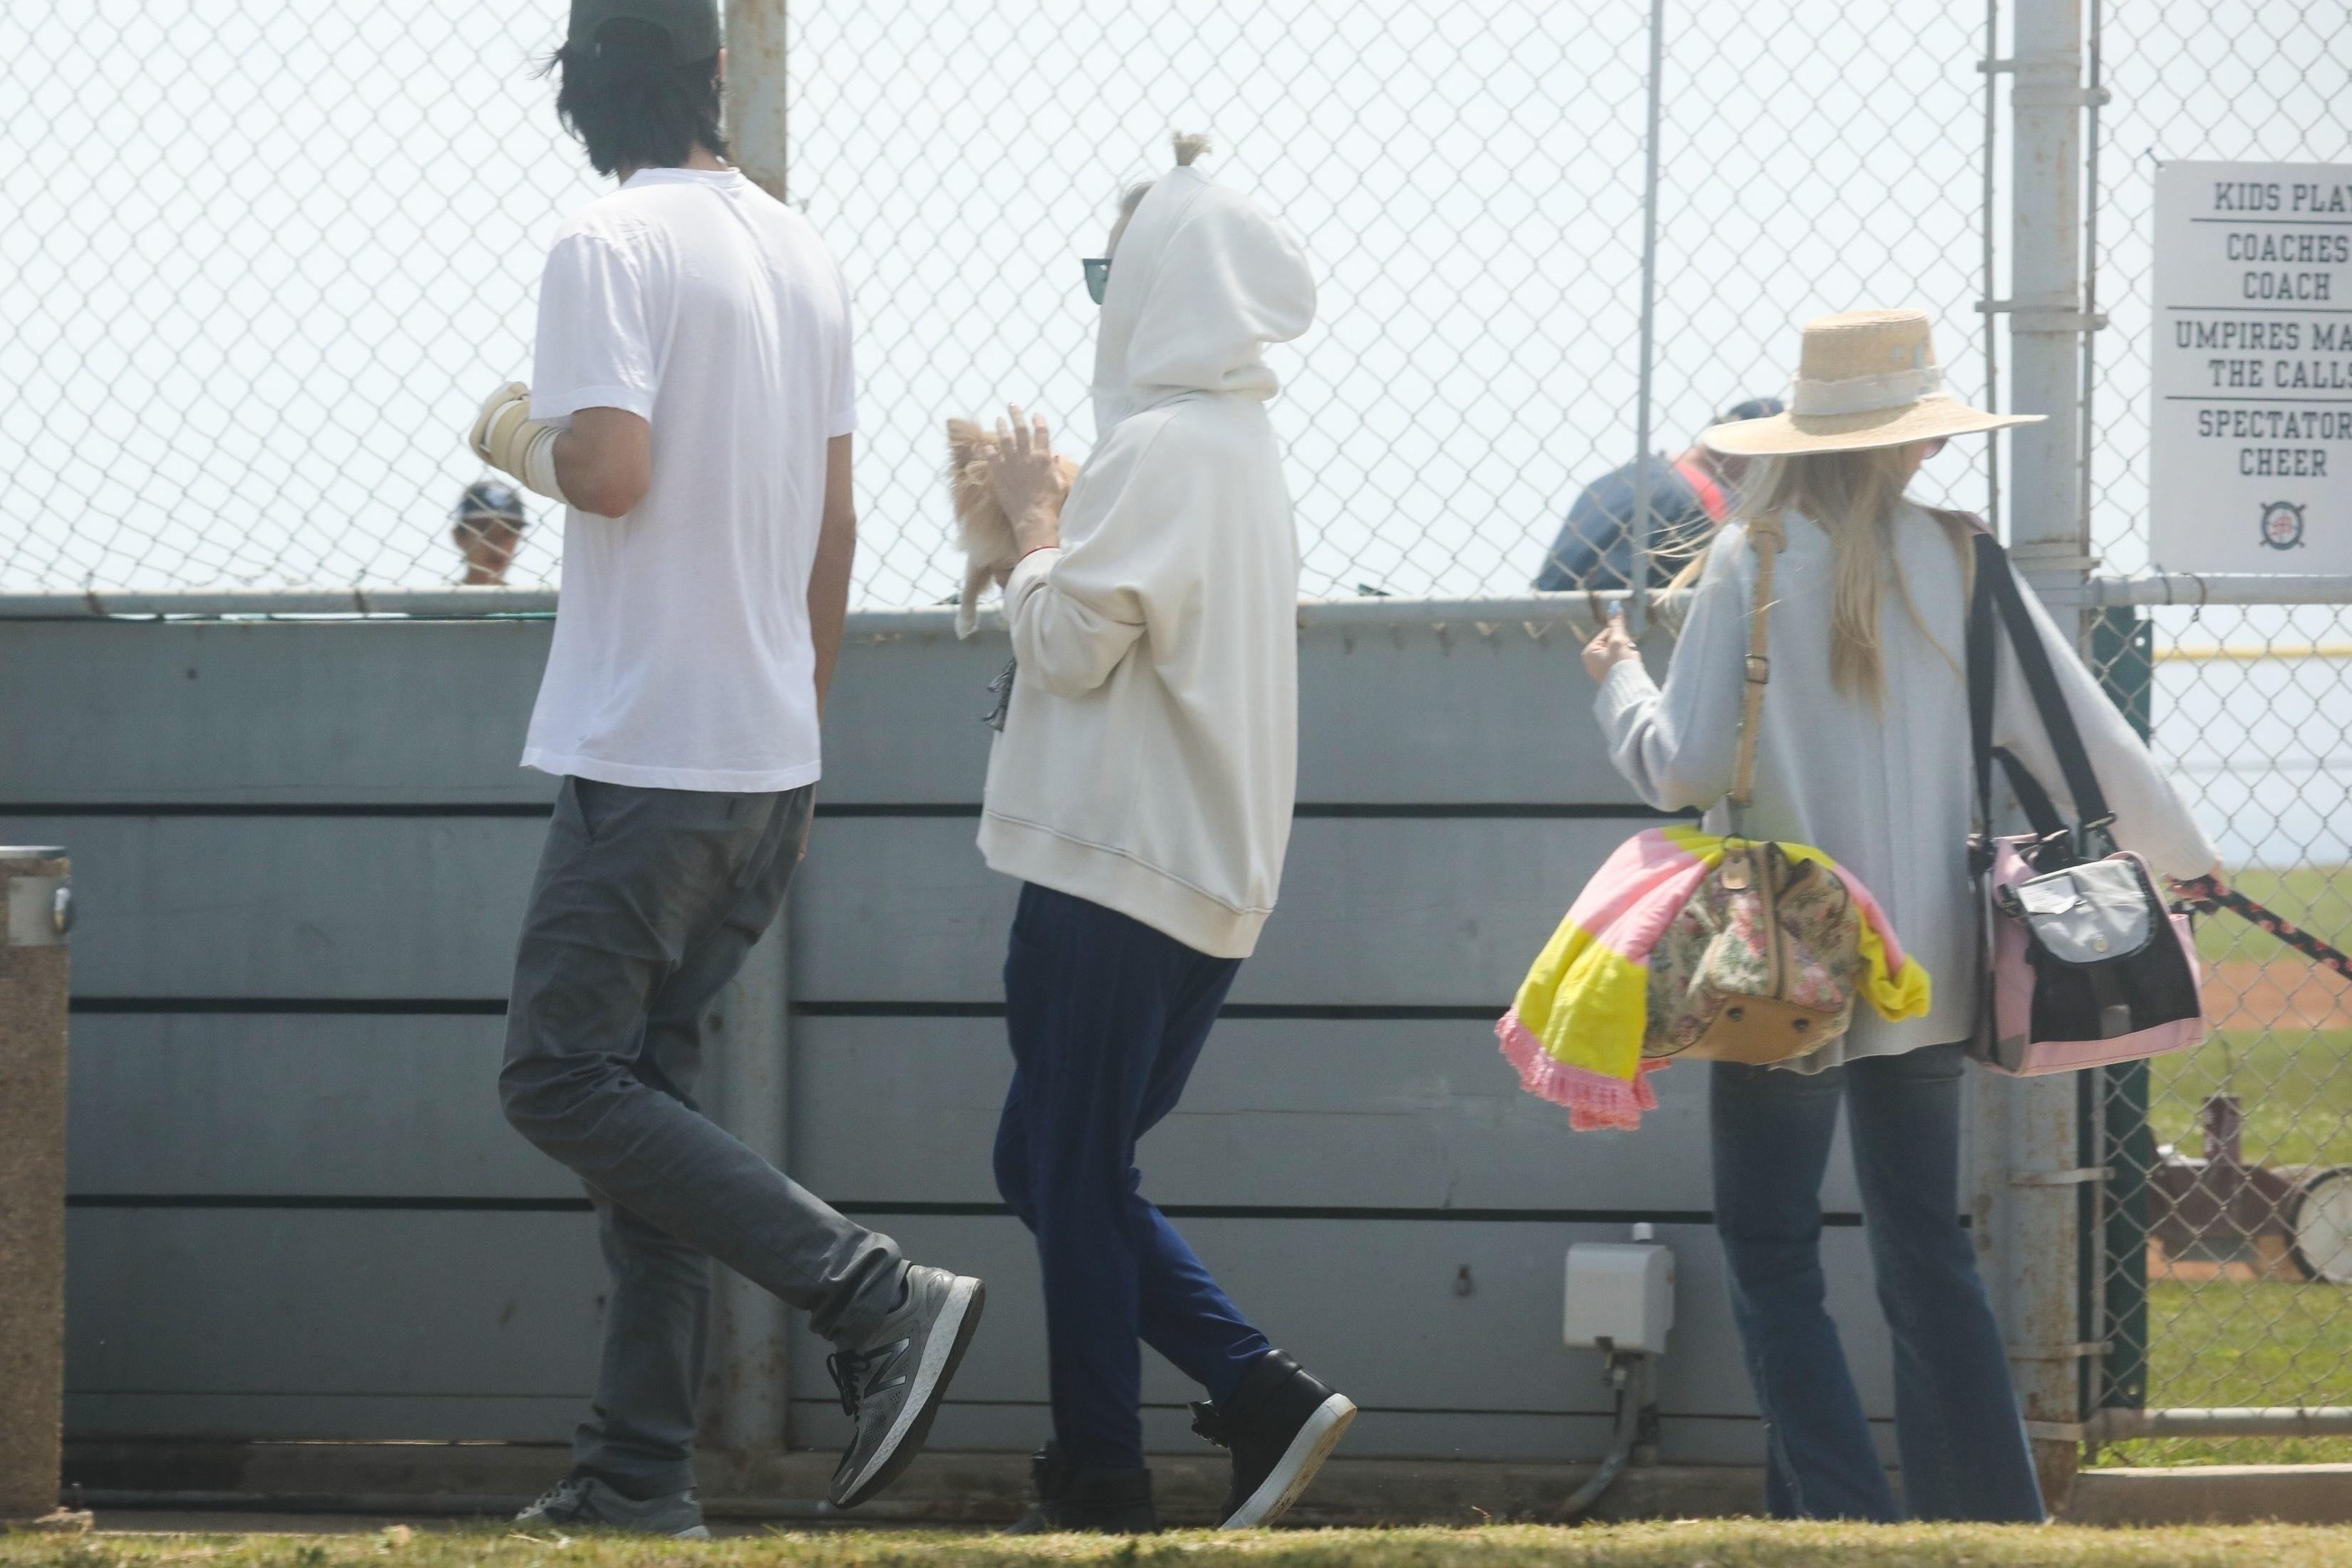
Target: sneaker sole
(942,1354)
(691,1533)
(1316,1439)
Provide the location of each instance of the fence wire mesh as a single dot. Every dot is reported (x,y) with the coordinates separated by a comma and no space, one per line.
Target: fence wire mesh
(2228,1252)
(264,259)
(2227,1278)
(269,256)
(267,259)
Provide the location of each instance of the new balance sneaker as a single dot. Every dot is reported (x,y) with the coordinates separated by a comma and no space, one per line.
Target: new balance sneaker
(891,1385)
(1107,1501)
(1280,1425)
(580,1499)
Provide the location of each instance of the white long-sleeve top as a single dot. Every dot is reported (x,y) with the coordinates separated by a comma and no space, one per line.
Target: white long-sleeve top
(1887,793)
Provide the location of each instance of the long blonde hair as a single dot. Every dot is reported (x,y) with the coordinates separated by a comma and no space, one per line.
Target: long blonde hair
(1851,497)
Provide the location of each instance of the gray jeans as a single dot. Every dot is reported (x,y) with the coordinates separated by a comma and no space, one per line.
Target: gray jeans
(646,902)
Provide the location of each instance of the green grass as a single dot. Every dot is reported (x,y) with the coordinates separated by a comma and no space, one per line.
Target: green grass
(1681,1544)
(2244,1342)
(2259,1342)
(2264,1342)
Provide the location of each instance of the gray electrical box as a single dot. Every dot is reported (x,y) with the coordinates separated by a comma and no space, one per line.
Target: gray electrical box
(1620,1296)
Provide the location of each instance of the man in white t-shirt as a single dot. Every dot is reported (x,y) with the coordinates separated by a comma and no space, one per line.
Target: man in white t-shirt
(692,406)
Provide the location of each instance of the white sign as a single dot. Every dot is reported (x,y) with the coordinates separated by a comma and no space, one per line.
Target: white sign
(2251,468)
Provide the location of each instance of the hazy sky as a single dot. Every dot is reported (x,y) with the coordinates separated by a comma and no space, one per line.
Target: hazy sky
(266,259)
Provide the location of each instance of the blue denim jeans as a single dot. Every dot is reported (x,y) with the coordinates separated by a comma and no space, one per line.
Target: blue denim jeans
(1107,1017)
(1957,1427)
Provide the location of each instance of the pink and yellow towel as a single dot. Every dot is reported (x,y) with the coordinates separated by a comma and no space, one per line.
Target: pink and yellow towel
(1575,1033)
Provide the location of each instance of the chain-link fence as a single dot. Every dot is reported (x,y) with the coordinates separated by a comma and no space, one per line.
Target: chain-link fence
(2227,1274)
(1470,182)
(267,259)
(263,261)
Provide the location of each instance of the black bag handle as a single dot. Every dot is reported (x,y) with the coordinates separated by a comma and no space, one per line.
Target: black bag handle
(1996,592)
(2041,811)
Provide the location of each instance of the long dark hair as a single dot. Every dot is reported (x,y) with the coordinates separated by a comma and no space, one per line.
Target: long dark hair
(627,104)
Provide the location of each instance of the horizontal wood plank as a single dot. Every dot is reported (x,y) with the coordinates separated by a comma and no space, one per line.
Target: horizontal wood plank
(342,1415)
(302,1105)
(1380,1114)
(323,908)
(1379,1310)
(1504,1435)
(199,1310)
(330,1307)
(389,712)
(383,712)
(1372,913)
(1416,714)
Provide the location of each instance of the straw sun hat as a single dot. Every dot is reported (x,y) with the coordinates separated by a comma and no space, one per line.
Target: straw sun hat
(1865,379)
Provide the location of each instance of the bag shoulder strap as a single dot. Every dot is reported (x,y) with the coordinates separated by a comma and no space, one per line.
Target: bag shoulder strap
(2041,811)
(1997,594)
(1765,536)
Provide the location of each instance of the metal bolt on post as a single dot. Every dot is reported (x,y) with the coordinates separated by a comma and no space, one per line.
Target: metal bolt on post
(37,888)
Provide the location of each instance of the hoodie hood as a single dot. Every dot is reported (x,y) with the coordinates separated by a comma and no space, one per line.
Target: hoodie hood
(1201,282)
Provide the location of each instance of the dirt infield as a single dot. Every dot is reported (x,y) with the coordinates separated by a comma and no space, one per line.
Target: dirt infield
(2278,994)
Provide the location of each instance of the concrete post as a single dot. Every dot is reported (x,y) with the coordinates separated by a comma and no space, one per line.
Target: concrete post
(745,1384)
(36,890)
(2049,541)
(755,90)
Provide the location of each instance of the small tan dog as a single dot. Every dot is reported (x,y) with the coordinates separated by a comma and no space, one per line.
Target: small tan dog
(983,530)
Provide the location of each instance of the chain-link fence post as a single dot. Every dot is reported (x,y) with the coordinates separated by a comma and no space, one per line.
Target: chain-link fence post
(2122,651)
(36,907)
(755,90)
(1645,510)
(748,1378)
(2052,1187)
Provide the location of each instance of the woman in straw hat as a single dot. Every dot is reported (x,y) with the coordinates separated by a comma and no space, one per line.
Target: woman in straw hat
(1864,751)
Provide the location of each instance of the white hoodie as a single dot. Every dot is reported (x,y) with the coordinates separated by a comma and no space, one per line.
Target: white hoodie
(1151,754)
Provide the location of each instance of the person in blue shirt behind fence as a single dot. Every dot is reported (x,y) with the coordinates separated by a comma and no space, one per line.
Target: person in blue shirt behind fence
(1688,496)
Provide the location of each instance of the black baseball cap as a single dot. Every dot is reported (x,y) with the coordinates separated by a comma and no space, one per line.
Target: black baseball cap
(1752,408)
(491,498)
(691,26)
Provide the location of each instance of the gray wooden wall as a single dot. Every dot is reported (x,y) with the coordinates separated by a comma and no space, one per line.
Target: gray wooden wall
(301,851)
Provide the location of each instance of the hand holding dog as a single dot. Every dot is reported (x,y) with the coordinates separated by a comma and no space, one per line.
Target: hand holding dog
(1029,485)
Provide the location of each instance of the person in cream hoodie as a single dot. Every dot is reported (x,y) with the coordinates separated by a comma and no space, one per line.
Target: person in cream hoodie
(1141,791)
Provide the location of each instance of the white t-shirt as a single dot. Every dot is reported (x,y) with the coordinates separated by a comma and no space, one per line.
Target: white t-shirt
(682,657)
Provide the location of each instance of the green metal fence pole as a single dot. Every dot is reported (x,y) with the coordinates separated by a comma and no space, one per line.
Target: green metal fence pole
(2123,651)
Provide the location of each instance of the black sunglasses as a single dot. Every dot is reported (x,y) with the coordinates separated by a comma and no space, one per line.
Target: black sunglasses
(1097,276)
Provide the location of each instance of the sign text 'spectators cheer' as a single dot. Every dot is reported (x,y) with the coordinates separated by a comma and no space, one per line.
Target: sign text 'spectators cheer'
(2251,468)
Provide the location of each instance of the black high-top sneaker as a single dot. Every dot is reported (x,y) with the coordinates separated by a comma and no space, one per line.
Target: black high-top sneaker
(1281,1424)
(1108,1502)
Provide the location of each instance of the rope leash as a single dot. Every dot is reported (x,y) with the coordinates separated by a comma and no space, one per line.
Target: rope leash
(2209,893)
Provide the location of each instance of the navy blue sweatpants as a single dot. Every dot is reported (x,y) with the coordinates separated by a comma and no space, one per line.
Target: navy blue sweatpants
(1107,1017)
